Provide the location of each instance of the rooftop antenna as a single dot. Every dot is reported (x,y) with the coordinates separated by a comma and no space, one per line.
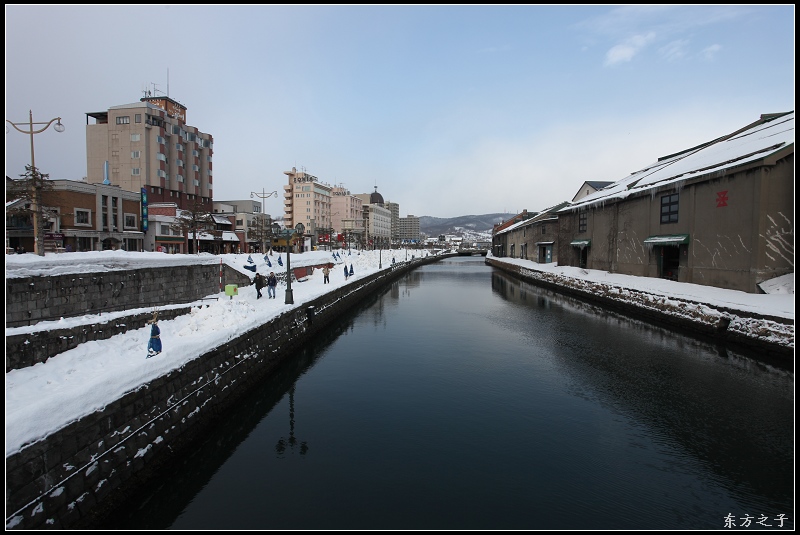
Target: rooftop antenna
(167,82)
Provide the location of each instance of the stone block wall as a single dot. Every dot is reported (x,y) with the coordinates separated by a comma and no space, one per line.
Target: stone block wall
(30,300)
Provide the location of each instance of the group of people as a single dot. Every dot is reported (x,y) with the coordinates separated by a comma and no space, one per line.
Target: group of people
(271,282)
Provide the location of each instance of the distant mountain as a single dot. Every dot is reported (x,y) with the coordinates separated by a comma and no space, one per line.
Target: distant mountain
(471,224)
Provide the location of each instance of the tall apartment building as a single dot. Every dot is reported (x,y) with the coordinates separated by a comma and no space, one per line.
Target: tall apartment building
(408,228)
(147,144)
(394,208)
(307,200)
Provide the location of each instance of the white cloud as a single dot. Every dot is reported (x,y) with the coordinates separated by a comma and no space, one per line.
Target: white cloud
(674,50)
(625,52)
(711,51)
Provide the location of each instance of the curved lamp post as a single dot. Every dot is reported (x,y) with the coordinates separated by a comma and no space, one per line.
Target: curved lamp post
(287,234)
(263,196)
(38,248)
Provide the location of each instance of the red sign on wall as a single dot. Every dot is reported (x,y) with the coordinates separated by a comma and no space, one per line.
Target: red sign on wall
(722,198)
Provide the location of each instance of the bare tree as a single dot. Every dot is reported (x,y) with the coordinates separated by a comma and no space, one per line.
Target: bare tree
(260,230)
(29,189)
(195,220)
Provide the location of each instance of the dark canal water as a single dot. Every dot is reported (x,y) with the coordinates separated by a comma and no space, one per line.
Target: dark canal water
(462,398)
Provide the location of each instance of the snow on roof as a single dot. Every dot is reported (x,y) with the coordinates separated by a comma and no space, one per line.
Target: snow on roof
(751,144)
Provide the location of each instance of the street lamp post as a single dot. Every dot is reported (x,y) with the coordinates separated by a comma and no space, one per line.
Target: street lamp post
(287,233)
(263,196)
(38,243)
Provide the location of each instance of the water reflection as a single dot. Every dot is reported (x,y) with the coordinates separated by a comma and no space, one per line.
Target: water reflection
(698,401)
(292,441)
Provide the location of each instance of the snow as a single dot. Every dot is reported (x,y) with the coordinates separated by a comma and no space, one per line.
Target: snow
(751,144)
(47,396)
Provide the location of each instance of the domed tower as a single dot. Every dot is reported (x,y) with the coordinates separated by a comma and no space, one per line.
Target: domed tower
(375,197)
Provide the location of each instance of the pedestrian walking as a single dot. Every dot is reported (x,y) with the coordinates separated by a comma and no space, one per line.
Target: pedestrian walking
(272,282)
(154,345)
(260,283)
(326,273)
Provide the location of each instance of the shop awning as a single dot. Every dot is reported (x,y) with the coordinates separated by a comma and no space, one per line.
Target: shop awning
(544,243)
(581,243)
(667,239)
(220,220)
(227,235)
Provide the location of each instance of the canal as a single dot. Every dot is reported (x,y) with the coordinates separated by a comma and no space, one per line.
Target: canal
(462,398)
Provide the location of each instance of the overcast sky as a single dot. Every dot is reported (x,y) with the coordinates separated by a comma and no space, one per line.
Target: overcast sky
(435,105)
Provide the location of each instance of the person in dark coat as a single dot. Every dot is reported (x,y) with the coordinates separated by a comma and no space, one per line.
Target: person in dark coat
(260,283)
(346,273)
(272,282)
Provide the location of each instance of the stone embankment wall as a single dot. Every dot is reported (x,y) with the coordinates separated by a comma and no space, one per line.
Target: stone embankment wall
(719,325)
(75,476)
(30,300)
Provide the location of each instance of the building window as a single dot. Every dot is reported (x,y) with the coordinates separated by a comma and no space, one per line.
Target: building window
(136,171)
(162,157)
(161,140)
(582,221)
(669,208)
(130,221)
(165,230)
(544,229)
(178,146)
(136,137)
(180,178)
(124,119)
(82,217)
(136,154)
(197,183)
(180,163)
(138,117)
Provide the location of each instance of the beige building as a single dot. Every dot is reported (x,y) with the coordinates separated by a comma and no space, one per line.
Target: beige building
(148,144)
(377,219)
(307,200)
(346,216)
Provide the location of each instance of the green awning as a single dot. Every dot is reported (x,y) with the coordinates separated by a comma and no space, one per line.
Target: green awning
(667,239)
(581,243)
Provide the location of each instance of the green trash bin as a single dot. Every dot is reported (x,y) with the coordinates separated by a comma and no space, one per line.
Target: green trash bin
(231,290)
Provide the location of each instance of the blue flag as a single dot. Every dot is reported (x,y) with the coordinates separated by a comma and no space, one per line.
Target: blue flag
(351,269)
(250,259)
(280,262)
(269,264)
